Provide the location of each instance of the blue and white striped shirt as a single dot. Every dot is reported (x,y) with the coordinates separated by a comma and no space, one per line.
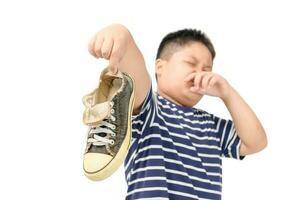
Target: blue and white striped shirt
(176,151)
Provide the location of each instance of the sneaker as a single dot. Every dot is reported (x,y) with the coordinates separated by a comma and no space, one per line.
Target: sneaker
(108,117)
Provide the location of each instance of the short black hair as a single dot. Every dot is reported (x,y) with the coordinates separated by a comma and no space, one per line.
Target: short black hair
(180,38)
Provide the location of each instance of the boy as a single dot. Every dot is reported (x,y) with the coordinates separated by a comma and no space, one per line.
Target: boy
(176,149)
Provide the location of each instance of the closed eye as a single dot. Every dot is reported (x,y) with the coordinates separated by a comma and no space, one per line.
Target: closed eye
(194,64)
(190,63)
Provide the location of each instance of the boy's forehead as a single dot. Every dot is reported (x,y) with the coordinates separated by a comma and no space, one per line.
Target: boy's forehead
(196,54)
(196,49)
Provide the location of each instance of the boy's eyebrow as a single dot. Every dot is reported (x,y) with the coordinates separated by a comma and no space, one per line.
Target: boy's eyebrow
(198,60)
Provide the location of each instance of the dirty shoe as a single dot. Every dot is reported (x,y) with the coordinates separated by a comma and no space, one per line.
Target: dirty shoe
(108,117)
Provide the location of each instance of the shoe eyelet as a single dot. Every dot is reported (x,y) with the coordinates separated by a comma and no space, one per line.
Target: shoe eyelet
(112,111)
(111,142)
(113,134)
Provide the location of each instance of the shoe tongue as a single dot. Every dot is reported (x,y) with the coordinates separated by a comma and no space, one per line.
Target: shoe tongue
(100,111)
(108,77)
(109,74)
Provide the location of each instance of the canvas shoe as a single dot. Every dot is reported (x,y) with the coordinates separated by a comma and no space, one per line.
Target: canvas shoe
(108,117)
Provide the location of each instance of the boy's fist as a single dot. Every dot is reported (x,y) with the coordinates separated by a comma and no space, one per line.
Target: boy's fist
(110,43)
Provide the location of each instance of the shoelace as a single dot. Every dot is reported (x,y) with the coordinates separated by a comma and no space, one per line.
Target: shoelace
(109,135)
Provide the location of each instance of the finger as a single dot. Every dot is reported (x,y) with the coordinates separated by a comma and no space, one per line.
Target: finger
(196,88)
(115,58)
(110,51)
(106,48)
(97,46)
(91,46)
(197,80)
(205,81)
(190,77)
(212,82)
(113,69)
(113,63)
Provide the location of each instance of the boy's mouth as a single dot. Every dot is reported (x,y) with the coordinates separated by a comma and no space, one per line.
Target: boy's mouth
(190,84)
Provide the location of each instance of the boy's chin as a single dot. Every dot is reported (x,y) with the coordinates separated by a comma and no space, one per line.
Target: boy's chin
(195,93)
(194,97)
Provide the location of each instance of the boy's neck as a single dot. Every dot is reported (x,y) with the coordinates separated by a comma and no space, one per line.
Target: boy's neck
(167,97)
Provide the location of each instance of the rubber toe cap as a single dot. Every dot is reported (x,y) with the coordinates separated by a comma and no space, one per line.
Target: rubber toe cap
(94,162)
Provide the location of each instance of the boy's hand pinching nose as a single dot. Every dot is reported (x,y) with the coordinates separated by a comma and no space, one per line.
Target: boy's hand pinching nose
(208,83)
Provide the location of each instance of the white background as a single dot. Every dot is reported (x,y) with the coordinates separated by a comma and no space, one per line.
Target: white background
(45,69)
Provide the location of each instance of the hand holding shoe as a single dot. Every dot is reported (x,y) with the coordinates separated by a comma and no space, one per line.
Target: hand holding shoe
(110,43)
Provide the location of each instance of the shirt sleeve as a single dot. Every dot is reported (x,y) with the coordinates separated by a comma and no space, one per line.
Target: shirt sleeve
(143,118)
(229,140)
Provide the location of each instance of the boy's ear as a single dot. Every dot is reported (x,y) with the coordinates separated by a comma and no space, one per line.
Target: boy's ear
(159,64)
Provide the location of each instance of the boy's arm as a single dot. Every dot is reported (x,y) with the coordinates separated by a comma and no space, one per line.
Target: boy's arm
(116,44)
(133,63)
(247,125)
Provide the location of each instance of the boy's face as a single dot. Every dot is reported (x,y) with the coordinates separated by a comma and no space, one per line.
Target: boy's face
(194,57)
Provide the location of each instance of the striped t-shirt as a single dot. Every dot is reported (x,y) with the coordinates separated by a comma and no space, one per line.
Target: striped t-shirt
(176,151)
